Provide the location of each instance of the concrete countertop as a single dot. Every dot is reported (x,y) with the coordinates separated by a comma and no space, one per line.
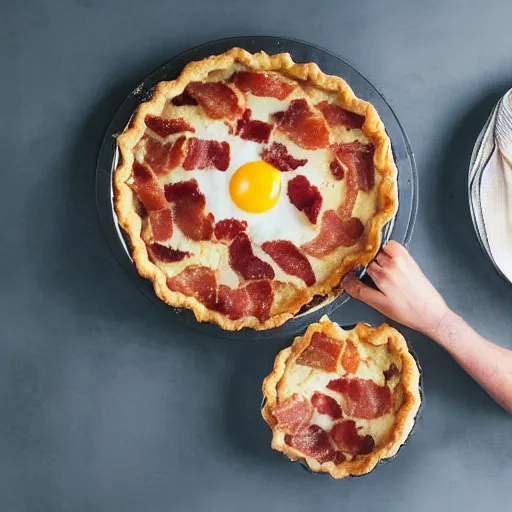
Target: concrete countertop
(107,403)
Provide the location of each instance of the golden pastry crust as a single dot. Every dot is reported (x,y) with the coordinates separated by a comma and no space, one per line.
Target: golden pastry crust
(405,414)
(128,214)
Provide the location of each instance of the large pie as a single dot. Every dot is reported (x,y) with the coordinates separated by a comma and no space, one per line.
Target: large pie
(340,401)
(249,186)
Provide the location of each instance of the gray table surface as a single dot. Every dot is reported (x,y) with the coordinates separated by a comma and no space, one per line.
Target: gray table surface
(106,404)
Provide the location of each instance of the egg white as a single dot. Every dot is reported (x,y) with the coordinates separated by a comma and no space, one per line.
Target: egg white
(283,221)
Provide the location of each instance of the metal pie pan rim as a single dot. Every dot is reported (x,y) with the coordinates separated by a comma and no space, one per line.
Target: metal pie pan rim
(114,234)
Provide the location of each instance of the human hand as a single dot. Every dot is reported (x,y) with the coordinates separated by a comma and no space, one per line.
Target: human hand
(404,295)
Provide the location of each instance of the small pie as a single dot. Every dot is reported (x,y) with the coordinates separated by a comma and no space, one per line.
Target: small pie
(251,185)
(340,401)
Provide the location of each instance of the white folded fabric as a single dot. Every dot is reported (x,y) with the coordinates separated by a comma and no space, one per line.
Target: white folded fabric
(496,204)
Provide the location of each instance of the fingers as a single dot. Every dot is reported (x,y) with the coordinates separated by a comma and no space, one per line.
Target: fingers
(376,272)
(394,249)
(364,293)
(383,259)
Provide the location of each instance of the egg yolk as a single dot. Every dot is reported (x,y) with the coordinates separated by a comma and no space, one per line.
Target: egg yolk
(255,186)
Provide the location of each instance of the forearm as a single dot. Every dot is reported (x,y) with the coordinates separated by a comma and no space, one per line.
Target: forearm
(489,364)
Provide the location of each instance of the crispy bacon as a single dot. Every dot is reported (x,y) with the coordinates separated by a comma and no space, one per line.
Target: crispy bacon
(293,414)
(326,404)
(303,126)
(322,353)
(243,260)
(346,437)
(190,209)
(206,154)
(162,158)
(252,129)
(362,398)
(278,156)
(228,229)
(305,197)
(164,126)
(167,254)
(147,189)
(262,84)
(290,259)
(217,99)
(161,224)
(334,233)
(315,443)
(253,299)
(359,159)
(198,282)
(337,116)
(184,99)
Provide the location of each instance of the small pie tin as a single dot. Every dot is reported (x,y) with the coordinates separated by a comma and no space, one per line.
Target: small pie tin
(400,228)
(381,462)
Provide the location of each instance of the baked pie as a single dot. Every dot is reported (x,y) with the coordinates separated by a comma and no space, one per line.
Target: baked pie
(251,185)
(340,401)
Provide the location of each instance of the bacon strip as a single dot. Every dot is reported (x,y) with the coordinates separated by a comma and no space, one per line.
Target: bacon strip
(278,156)
(198,282)
(358,158)
(156,155)
(184,99)
(293,414)
(303,126)
(351,192)
(228,229)
(254,130)
(147,189)
(262,84)
(177,153)
(305,197)
(315,443)
(322,353)
(164,126)
(243,260)
(346,436)
(163,157)
(206,154)
(218,100)
(337,116)
(326,404)
(161,225)
(190,209)
(334,233)
(290,259)
(253,299)
(167,254)
(362,398)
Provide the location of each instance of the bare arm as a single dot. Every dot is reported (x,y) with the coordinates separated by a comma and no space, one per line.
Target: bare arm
(408,297)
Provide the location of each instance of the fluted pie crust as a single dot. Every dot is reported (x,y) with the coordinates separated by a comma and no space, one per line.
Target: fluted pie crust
(126,203)
(405,414)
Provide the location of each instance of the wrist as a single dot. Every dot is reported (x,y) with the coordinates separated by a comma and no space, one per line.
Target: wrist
(447,331)
(438,323)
